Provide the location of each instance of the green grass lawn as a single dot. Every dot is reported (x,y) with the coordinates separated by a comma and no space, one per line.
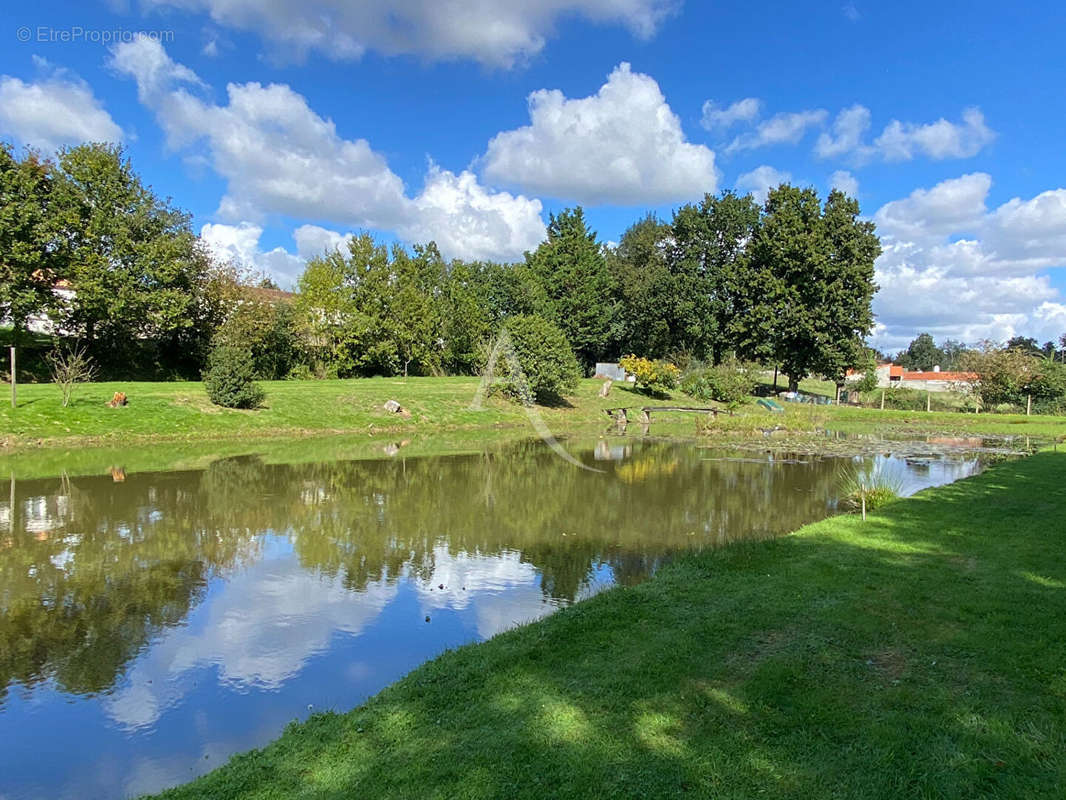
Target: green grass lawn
(180,411)
(919,654)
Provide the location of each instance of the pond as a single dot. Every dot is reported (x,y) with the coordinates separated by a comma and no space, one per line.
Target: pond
(153,623)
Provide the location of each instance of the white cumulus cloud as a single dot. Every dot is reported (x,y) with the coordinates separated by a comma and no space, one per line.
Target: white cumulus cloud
(716,118)
(471,222)
(55,111)
(760,181)
(313,241)
(845,182)
(784,128)
(846,136)
(1032,231)
(497,34)
(622,145)
(239,244)
(941,139)
(952,206)
(279,157)
(903,141)
(954,268)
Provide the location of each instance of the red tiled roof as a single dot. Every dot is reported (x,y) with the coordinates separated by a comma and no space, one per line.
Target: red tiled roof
(918,375)
(273,295)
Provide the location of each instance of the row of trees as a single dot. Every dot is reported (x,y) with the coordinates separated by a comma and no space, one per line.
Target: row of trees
(1018,374)
(923,353)
(787,284)
(1011,377)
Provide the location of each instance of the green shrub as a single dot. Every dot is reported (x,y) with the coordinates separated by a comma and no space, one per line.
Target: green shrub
(657,377)
(1055,406)
(868,368)
(549,368)
(230,378)
(301,372)
(867,383)
(729,382)
(267,329)
(1049,388)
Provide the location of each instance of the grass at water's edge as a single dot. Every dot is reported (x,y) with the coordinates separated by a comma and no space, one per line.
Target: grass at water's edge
(180,412)
(919,654)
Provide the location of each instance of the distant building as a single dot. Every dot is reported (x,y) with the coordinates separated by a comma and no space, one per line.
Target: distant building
(270,295)
(64,293)
(42,323)
(935,380)
(609,369)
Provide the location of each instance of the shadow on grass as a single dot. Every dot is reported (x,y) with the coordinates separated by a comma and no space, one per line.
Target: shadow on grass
(641,393)
(555,402)
(907,656)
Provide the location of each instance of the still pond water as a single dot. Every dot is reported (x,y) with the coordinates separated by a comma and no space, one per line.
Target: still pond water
(152,624)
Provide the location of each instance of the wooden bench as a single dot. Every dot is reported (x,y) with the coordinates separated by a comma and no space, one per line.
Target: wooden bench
(621,414)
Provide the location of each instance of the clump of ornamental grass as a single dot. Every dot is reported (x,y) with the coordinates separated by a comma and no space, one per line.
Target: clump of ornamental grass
(868,485)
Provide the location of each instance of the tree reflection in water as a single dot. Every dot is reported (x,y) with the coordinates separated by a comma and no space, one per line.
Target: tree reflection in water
(93,568)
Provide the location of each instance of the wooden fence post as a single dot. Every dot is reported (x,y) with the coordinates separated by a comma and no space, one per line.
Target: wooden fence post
(928,400)
(14,379)
(882,399)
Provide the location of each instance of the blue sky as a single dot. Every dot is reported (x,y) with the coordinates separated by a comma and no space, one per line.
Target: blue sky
(284,126)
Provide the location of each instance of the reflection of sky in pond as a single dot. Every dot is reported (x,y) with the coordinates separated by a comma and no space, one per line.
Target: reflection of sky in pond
(262,627)
(912,475)
(226,602)
(270,644)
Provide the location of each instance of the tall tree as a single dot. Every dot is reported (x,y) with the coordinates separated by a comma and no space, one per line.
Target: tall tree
(1027,344)
(326,312)
(952,351)
(372,311)
(466,316)
(263,323)
(922,353)
(643,290)
(708,259)
(570,265)
(512,290)
(413,315)
(812,274)
(136,267)
(1007,375)
(31,256)
(849,286)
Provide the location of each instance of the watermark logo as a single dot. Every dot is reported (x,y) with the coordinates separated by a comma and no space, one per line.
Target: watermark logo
(503,351)
(76,34)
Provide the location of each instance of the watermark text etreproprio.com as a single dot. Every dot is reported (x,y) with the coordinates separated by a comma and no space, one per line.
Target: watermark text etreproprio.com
(76,34)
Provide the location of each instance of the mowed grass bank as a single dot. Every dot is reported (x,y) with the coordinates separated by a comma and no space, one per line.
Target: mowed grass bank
(158,411)
(919,654)
(181,411)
